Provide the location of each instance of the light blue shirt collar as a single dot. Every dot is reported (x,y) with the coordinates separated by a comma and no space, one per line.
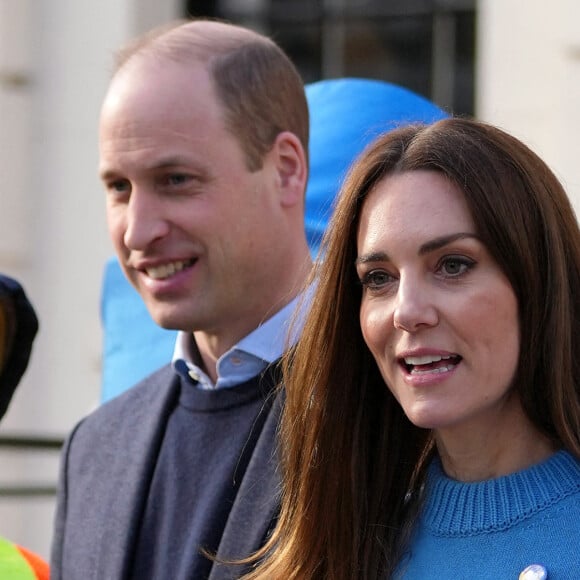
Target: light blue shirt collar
(248,357)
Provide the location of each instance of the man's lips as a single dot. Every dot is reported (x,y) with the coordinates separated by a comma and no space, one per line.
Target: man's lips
(167,269)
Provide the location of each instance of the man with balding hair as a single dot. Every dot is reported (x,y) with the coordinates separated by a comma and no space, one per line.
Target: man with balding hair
(203,158)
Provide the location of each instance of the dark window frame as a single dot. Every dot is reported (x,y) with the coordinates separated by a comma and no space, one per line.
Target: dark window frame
(326,38)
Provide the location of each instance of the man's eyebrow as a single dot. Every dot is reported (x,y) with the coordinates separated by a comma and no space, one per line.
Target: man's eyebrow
(165,162)
(425,248)
(162,163)
(107,174)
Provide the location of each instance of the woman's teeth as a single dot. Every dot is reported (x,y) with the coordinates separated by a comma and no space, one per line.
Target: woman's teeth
(429,363)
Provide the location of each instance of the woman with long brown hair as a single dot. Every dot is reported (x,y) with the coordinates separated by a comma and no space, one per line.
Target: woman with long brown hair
(432,424)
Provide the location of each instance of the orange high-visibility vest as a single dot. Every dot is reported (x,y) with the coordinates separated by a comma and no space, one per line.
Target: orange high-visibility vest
(17,563)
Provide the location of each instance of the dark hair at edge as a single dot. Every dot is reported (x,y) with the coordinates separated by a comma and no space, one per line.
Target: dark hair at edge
(258,85)
(263,95)
(353,464)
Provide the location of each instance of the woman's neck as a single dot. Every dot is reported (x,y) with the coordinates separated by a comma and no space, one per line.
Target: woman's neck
(489,449)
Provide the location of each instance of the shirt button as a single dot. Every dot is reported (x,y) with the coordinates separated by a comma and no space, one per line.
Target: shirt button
(236,360)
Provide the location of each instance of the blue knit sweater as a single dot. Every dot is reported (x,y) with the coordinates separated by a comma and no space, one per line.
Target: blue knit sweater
(496,528)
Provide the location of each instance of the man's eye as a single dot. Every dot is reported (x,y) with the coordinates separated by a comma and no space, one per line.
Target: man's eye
(177,179)
(119,186)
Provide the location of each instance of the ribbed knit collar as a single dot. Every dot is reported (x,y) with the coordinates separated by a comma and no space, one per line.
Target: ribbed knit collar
(454,508)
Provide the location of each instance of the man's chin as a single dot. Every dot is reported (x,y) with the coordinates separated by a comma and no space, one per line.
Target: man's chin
(167,320)
(169,324)
(175,319)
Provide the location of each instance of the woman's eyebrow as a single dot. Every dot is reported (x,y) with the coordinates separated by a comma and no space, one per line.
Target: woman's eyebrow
(442,241)
(425,248)
(372,257)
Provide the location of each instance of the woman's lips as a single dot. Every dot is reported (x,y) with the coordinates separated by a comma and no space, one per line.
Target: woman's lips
(425,364)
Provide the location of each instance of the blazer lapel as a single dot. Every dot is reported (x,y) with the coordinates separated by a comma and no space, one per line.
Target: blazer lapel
(256,506)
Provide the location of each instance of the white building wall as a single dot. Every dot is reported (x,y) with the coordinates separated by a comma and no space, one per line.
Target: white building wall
(528,79)
(55,63)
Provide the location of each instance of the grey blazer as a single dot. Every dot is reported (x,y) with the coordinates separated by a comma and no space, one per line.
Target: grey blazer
(106,466)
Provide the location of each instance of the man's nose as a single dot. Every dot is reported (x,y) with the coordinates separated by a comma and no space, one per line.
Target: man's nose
(146,222)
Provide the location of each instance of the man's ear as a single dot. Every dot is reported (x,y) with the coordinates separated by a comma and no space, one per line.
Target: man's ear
(291,166)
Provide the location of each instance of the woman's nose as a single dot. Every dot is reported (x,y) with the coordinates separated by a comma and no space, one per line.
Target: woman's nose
(414,306)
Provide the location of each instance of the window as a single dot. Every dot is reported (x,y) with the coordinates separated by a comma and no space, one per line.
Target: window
(427,46)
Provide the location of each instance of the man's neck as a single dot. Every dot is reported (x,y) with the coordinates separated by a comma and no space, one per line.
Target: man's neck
(209,348)
(213,344)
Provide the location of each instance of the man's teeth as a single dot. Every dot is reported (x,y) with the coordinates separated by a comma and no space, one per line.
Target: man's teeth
(425,360)
(166,270)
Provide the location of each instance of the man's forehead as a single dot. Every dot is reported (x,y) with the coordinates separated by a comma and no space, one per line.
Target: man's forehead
(154,79)
(160,106)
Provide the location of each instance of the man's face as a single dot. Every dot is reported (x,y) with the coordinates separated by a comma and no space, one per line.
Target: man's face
(196,232)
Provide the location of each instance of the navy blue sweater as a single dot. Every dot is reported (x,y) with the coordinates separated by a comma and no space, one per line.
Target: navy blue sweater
(208,442)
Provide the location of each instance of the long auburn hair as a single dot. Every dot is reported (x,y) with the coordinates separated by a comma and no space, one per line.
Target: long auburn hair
(353,465)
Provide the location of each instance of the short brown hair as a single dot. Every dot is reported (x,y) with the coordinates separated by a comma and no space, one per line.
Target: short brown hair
(258,85)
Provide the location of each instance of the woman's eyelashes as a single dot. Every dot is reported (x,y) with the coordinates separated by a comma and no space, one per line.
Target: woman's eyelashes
(449,267)
(454,266)
(376,279)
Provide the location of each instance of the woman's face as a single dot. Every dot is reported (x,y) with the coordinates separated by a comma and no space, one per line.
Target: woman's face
(437,313)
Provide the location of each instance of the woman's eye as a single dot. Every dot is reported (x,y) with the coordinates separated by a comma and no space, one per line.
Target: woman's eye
(376,279)
(455,265)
